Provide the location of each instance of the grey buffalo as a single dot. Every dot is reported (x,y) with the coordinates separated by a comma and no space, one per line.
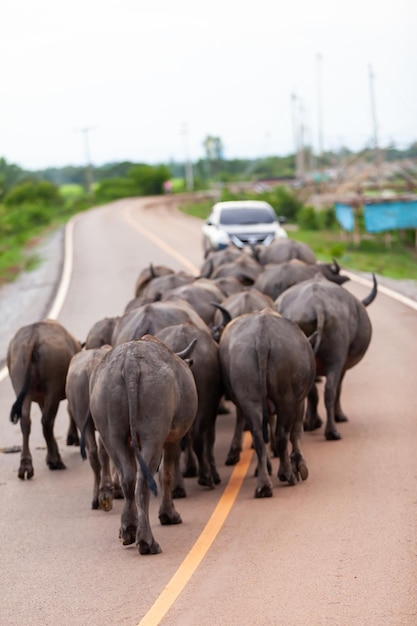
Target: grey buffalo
(143,400)
(283,250)
(150,318)
(277,277)
(207,376)
(268,368)
(343,335)
(38,357)
(77,392)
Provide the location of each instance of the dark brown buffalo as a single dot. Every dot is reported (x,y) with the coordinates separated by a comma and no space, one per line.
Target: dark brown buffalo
(237,304)
(268,368)
(277,277)
(150,318)
(38,357)
(100,334)
(282,250)
(245,268)
(148,274)
(343,335)
(200,294)
(207,376)
(156,288)
(214,258)
(143,400)
(77,392)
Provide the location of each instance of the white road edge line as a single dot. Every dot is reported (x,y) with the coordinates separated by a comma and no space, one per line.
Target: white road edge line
(64,280)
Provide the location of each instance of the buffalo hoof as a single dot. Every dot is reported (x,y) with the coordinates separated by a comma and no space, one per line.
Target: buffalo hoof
(233,457)
(127,535)
(106,502)
(56,465)
(95,505)
(190,472)
(25,470)
(263,492)
(299,466)
(216,477)
(171,518)
(313,424)
(302,470)
(341,418)
(73,439)
(206,481)
(145,548)
(332,435)
(287,477)
(179,492)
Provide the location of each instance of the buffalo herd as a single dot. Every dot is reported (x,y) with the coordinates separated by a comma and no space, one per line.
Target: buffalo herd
(259,327)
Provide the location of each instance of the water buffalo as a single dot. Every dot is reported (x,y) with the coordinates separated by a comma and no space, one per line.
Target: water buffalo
(237,304)
(283,250)
(245,268)
(100,334)
(77,393)
(150,318)
(143,400)
(207,376)
(343,335)
(199,294)
(277,277)
(38,357)
(268,368)
(214,258)
(148,274)
(156,288)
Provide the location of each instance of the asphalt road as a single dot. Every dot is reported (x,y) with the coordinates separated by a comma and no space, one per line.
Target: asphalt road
(339,549)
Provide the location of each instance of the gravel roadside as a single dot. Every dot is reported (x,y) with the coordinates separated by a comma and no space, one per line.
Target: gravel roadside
(29,298)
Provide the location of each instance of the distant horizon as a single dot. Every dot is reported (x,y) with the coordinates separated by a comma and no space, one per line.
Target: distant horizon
(394,146)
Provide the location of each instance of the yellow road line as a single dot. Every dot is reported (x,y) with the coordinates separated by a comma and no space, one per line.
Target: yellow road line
(157,241)
(193,559)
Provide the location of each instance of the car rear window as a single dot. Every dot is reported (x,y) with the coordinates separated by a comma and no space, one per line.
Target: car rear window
(246,216)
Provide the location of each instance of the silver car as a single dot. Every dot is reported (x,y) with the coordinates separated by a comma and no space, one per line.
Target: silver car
(242,223)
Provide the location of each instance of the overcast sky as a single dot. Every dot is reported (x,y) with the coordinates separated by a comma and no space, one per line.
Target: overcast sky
(150,80)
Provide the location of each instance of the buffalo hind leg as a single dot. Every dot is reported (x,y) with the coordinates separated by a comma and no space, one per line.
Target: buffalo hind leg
(125,464)
(233,455)
(298,463)
(330,393)
(49,411)
(167,511)
(26,466)
(339,415)
(144,538)
(312,419)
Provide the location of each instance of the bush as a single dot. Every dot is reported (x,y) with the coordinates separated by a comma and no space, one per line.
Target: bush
(115,188)
(307,218)
(18,220)
(34,192)
(148,180)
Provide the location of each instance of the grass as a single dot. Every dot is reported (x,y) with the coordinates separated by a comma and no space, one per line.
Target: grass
(397,260)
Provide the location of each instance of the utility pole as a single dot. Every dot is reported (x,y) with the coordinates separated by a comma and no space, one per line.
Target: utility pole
(375,126)
(189,179)
(320,118)
(295,132)
(89,167)
(300,143)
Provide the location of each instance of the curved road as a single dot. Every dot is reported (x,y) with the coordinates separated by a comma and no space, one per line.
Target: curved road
(338,549)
